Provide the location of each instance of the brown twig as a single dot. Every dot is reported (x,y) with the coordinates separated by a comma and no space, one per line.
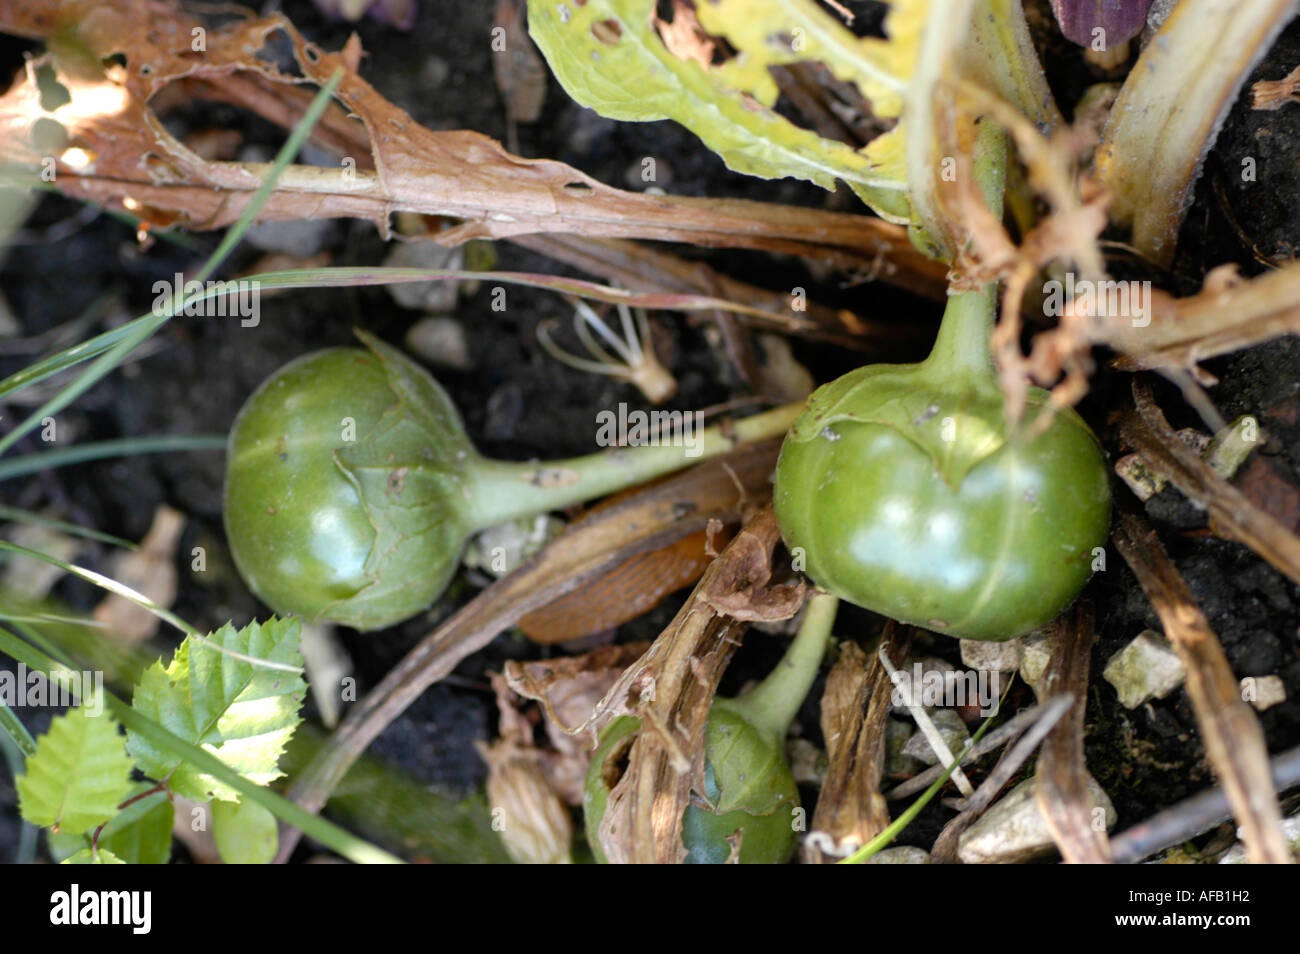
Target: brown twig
(638,266)
(1231,514)
(1062,791)
(1234,742)
(1190,818)
(1229,314)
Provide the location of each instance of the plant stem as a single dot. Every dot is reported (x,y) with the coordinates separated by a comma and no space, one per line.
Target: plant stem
(772,706)
(962,346)
(507,490)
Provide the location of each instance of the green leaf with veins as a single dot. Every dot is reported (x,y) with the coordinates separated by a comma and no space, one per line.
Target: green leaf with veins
(241,711)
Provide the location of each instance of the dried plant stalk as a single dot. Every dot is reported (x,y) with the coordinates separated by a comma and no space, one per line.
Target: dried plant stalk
(643,818)
(126,160)
(1234,742)
(1228,315)
(1171,107)
(855,704)
(1062,791)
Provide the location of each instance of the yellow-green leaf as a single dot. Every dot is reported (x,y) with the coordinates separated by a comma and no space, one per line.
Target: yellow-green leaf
(78,775)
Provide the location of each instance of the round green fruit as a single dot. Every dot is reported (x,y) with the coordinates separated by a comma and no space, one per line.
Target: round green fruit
(904,490)
(342,489)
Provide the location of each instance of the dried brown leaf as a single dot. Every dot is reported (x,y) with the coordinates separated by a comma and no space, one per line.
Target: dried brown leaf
(854,708)
(675,682)
(137,166)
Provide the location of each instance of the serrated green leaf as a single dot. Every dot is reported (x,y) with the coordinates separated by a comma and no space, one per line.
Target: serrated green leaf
(608,55)
(86,857)
(141,833)
(245,833)
(78,775)
(241,712)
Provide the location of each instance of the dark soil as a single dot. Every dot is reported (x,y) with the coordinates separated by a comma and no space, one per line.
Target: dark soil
(519,403)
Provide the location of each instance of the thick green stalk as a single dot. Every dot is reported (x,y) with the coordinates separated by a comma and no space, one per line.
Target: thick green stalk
(504,491)
(772,706)
(962,346)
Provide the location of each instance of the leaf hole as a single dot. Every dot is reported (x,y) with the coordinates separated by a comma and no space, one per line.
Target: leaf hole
(608,32)
(53,94)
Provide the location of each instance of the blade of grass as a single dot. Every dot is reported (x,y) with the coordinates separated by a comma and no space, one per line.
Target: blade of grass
(328,834)
(100,450)
(146,328)
(139,599)
(334,277)
(18,515)
(16,731)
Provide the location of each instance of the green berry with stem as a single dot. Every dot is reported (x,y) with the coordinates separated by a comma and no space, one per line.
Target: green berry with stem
(909,490)
(751,795)
(351,485)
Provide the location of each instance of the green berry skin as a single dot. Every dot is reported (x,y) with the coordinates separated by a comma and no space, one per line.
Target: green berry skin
(341,474)
(1003,551)
(743,767)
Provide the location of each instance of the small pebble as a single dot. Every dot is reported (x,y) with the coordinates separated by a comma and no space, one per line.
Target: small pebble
(1013,831)
(437,295)
(301,237)
(991,657)
(902,855)
(441,341)
(1263,692)
(1147,668)
(952,729)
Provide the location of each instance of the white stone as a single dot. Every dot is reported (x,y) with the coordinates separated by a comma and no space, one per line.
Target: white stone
(991,656)
(1035,656)
(1147,668)
(1263,692)
(436,295)
(441,341)
(902,855)
(1013,830)
(952,730)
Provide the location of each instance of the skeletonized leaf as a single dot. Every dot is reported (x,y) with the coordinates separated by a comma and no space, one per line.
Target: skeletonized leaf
(78,775)
(241,712)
